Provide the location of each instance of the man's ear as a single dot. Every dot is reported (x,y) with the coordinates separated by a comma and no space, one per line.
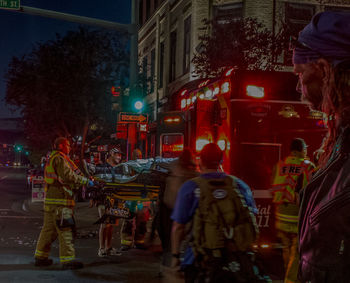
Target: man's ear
(325,68)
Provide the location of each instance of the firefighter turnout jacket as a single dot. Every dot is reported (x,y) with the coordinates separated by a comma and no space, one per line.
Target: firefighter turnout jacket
(284,189)
(62,176)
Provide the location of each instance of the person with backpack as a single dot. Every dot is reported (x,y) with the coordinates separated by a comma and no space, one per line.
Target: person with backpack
(221,210)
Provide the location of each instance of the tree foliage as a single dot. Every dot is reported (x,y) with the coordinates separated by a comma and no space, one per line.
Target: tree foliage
(239,43)
(63,86)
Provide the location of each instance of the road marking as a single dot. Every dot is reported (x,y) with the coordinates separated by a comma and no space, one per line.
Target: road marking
(5,209)
(3,177)
(19,217)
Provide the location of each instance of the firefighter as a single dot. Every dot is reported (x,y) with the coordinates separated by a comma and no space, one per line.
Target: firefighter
(285,197)
(62,177)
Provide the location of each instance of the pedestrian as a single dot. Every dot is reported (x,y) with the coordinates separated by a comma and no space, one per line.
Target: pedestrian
(321,59)
(183,169)
(214,201)
(134,229)
(104,205)
(62,177)
(290,176)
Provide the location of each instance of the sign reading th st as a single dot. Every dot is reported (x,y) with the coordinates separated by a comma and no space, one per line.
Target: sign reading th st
(132,118)
(10,4)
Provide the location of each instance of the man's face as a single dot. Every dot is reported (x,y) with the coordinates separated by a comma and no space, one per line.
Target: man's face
(310,83)
(116,157)
(64,147)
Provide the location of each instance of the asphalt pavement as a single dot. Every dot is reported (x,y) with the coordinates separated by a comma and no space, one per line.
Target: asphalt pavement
(17,249)
(20,224)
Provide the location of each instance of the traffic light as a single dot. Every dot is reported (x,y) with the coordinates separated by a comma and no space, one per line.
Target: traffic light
(138,105)
(18,148)
(115,90)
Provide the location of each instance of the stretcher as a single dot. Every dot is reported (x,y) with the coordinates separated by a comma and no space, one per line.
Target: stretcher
(114,191)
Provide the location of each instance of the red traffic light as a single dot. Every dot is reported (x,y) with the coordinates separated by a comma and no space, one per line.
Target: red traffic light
(115,90)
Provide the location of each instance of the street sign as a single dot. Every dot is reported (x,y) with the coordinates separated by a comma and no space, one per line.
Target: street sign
(132,118)
(38,192)
(10,4)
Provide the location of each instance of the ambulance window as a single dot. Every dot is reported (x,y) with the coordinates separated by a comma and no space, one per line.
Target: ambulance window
(172,145)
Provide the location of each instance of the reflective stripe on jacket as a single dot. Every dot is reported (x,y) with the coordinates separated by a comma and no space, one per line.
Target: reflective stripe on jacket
(62,176)
(50,175)
(287,173)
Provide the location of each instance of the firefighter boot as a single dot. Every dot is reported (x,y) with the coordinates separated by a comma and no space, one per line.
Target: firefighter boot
(43,261)
(72,265)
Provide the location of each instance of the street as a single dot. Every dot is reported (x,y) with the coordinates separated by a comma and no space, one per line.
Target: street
(20,224)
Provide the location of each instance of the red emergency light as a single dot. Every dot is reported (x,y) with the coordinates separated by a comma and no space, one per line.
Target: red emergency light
(115,90)
(200,143)
(206,92)
(255,91)
(225,87)
(173,147)
(171,120)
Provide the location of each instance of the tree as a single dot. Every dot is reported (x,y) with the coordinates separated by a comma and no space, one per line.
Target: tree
(239,43)
(63,86)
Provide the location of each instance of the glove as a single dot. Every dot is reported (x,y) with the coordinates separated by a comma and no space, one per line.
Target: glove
(90,184)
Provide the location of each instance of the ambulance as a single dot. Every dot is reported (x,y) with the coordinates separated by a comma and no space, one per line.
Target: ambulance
(252,116)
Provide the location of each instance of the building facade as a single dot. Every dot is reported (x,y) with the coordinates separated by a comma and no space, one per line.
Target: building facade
(169,33)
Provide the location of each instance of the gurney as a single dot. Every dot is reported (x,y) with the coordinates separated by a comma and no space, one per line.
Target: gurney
(145,185)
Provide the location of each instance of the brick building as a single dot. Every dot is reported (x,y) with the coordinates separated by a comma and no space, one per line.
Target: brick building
(169,31)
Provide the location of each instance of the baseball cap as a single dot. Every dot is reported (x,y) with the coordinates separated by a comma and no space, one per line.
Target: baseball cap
(327,36)
(211,155)
(115,150)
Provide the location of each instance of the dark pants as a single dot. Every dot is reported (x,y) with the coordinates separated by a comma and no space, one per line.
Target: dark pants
(191,273)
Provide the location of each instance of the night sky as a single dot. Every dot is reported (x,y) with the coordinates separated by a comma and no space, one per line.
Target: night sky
(19,31)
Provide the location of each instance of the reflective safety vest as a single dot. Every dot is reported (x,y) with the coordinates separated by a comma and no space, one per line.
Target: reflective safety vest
(287,174)
(50,175)
(57,192)
(284,196)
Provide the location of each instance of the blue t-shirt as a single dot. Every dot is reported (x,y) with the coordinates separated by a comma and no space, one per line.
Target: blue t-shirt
(187,203)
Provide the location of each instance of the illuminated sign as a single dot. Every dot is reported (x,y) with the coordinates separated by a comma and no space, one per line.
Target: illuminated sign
(132,118)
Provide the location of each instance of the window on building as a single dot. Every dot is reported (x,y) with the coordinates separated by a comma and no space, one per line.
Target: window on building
(187,45)
(153,64)
(224,13)
(161,65)
(297,17)
(172,65)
